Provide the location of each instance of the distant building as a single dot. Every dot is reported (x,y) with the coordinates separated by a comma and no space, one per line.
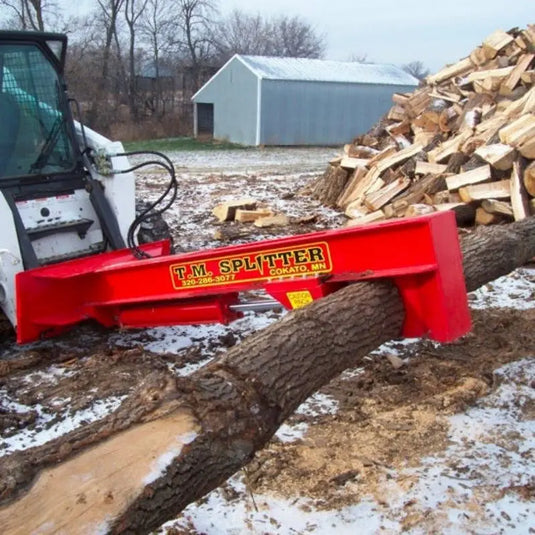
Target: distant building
(151,74)
(257,100)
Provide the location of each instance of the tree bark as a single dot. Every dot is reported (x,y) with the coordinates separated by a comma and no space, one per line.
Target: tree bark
(206,427)
(330,185)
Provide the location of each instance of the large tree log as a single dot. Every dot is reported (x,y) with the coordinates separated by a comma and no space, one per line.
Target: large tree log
(330,185)
(210,424)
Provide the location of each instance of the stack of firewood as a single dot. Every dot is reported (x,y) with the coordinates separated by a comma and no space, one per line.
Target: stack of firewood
(463,141)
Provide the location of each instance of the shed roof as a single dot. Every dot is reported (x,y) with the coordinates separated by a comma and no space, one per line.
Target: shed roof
(275,68)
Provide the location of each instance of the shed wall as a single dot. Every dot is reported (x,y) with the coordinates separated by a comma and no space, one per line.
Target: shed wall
(321,113)
(233,92)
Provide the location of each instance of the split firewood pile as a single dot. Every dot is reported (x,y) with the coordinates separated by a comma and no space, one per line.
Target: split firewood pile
(248,210)
(464,141)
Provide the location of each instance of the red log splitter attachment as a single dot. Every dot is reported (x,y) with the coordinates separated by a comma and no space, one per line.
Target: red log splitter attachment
(421,255)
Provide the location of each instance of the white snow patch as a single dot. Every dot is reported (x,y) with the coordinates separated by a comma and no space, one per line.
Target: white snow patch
(492,449)
(43,431)
(160,465)
(254,160)
(262,514)
(350,374)
(177,339)
(516,290)
(317,405)
(397,348)
(50,375)
(291,432)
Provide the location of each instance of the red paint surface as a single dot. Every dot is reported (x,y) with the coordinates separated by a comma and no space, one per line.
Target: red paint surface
(421,255)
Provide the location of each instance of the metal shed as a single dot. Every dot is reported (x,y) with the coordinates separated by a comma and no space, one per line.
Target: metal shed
(258,100)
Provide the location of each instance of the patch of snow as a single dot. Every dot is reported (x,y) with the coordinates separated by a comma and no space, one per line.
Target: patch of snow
(317,405)
(291,432)
(276,68)
(398,348)
(491,453)
(262,514)
(350,374)
(189,368)
(470,118)
(179,338)
(514,516)
(251,160)
(10,405)
(516,290)
(50,375)
(160,465)
(44,431)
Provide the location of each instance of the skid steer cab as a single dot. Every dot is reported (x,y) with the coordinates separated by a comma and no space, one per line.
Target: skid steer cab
(69,246)
(55,205)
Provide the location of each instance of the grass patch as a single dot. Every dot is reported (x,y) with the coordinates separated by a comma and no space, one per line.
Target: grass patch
(180,143)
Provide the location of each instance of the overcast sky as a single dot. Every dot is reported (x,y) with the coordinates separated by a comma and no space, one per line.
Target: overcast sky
(399,31)
(435,32)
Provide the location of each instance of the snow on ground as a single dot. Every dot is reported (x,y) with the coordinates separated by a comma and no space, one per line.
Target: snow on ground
(67,421)
(254,160)
(255,514)
(492,450)
(492,443)
(515,290)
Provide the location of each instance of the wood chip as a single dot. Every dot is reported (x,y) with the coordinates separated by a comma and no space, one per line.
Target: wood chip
(480,174)
(492,190)
(519,197)
(279,220)
(378,199)
(248,216)
(499,155)
(226,211)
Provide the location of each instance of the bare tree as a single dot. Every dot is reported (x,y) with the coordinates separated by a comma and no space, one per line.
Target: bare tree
(416,69)
(133,10)
(84,59)
(241,33)
(294,37)
(30,14)
(110,10)
(359,58)
(156,25)
(195,19)
(108,14)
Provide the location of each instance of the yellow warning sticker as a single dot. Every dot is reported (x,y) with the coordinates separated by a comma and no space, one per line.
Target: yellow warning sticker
(299,299)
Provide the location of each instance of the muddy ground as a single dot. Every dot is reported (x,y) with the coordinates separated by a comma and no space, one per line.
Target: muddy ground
(373,429)
(391,417)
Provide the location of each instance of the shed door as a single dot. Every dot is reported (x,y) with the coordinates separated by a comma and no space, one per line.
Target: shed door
(205,119)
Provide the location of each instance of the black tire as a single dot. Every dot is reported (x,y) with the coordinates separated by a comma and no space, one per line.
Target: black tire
(154,228)
(7,333)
